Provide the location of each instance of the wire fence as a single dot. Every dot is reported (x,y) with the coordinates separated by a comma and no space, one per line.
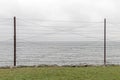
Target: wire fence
(60,42)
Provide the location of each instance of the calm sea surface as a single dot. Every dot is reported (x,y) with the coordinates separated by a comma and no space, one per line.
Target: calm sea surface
(60,53)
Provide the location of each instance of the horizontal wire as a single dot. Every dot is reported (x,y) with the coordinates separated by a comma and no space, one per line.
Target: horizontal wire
(58,20)
(58,29)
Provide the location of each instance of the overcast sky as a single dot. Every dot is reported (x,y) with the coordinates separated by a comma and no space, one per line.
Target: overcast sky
(68,10)
(59,9)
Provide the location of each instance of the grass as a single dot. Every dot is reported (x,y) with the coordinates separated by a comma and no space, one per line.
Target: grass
(61,73)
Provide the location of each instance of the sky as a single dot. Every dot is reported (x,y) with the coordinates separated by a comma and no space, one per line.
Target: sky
(55,11)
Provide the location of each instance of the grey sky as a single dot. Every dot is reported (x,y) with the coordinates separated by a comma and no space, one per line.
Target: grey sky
(60,9)
(67,10)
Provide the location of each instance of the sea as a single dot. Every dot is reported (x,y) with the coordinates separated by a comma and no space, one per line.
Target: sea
(59,53)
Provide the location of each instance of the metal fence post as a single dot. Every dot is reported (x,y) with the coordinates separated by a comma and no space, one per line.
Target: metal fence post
(104,41)
(14,41)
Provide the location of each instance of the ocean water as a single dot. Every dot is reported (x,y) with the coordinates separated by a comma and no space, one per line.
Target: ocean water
(59,53)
